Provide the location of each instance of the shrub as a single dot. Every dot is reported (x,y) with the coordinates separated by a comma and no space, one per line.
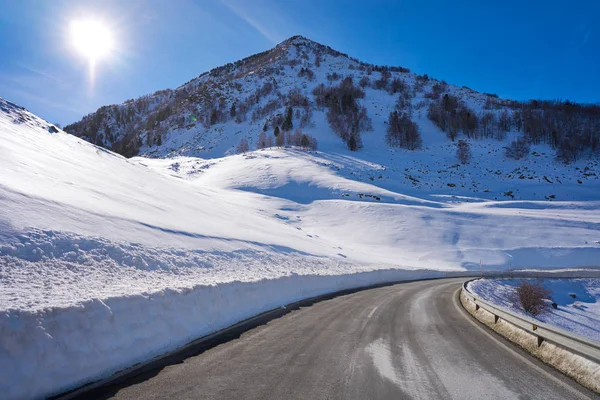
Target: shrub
(383,82)
(304,140)
(306,72)
(436,91)
(531,297)
(333,77)
(397,86)
(295,98)
(518,148)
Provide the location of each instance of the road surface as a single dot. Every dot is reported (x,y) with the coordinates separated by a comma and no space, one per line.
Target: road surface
(410,340)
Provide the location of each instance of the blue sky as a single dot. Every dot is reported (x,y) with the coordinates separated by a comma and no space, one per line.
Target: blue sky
(517,49)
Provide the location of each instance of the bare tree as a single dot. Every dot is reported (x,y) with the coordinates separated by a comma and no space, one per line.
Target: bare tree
(463,151)
(279,139)
(505,121)
(451,115)
(402,132)
(487,125)
(243,146)
(518,148)
(261,143)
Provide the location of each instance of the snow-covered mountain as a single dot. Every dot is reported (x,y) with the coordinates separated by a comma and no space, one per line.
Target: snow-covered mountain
(106,261)
(209,116)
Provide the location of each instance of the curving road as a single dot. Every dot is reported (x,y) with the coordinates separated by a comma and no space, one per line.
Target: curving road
(410,340)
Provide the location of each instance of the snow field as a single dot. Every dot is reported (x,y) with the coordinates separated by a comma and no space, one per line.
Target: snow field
(578,301)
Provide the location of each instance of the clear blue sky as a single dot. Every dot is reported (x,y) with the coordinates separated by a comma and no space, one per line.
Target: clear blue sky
(517,49)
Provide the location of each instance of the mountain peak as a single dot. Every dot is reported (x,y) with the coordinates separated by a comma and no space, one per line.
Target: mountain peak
(298,39)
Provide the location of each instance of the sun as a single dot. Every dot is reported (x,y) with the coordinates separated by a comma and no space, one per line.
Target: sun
(91,38)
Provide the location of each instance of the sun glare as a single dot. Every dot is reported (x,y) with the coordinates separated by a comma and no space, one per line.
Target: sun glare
(91,38)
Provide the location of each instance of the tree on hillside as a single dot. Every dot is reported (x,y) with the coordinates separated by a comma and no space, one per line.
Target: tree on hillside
(305,142)
(518,148)
(261,143)
(265,127)
(279,138)
(288,123)
(243,146)
(451,115)
(504,121)
(345,115)
(232,110)
(276,131)
(402,132)
(463,151)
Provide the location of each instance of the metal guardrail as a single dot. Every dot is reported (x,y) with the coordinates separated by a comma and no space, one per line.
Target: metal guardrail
(575,343)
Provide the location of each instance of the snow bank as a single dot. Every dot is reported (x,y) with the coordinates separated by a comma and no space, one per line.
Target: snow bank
(56,349)
(578,301)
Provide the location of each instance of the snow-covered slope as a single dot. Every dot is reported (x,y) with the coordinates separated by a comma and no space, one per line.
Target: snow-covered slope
(578,301)
(107,261)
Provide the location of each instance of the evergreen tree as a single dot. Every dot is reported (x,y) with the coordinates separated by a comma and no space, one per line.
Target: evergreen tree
(276,132)
(265,127)
(305,141)
(232,110)
(288,123)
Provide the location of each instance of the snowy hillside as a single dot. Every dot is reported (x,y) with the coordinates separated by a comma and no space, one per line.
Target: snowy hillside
(96,248)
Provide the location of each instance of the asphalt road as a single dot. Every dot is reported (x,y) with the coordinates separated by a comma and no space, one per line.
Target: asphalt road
(410,340)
